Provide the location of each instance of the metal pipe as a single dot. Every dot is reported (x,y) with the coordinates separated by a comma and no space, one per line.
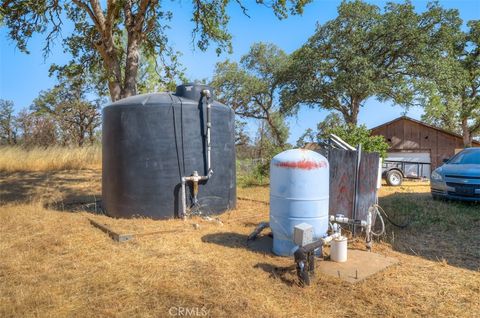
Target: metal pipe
(341,143)
(304,257)
(356,185)
(184,199)
(340,218)
(207,95)
(368,230)
(195,178)
(209,125)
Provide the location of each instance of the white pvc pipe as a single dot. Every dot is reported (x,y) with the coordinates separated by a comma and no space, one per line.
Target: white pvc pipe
(195,177)
(328,239)
(209,146)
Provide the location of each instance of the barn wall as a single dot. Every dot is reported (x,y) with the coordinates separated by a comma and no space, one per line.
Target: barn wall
(407,135)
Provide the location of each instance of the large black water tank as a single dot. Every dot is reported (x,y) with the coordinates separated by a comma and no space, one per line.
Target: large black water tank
(151,141)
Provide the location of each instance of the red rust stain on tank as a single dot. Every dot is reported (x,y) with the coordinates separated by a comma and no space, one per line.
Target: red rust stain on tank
(304,164)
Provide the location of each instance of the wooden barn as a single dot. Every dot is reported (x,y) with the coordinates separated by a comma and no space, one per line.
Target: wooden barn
(413,140)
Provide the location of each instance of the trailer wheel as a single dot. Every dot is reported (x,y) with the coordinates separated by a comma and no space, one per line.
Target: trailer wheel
(394,178)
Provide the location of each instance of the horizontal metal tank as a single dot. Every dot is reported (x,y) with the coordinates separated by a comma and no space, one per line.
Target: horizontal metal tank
(151,141)
(299,192)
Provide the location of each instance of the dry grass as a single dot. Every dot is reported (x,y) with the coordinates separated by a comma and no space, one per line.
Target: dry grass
(48,159)
(55,264)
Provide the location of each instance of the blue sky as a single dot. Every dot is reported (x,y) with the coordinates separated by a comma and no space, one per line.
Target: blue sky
(24,76)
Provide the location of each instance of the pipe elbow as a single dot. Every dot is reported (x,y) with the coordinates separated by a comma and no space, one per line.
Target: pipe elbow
(206,93)
(210,173)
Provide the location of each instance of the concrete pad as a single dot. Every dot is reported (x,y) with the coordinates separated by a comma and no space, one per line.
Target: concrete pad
(359,265)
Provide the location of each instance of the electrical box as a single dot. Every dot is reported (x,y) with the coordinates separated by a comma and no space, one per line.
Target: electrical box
(303,234)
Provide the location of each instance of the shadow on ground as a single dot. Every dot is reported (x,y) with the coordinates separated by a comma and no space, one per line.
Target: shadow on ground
(263,244)
(286,275)
(445,231)
(68,191)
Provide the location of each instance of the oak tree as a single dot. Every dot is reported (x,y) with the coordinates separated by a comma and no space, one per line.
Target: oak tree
(352,134)
(366,52)
(108,37)
(452,100)
(252,86)
(76,117)
(8,128)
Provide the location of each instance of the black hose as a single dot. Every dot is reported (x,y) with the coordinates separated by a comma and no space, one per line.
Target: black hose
(401,226)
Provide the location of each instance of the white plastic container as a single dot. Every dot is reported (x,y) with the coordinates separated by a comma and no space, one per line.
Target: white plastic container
(338,249)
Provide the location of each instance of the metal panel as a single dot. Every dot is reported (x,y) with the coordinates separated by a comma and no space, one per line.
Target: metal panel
(409,156)
(421,162)
(367,185)
(342,182)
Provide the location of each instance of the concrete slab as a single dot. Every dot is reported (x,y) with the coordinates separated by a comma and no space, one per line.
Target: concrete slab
(359,265)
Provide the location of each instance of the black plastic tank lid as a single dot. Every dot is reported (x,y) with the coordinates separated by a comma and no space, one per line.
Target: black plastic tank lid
(193,91)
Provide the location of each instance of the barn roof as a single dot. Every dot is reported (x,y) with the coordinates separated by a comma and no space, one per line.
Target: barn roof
(474,142)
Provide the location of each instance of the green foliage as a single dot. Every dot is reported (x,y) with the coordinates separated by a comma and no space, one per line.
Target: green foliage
(366,52)
(109,37)
(8,129)
(241,137)
(66,104)
(248,175)
(354,135)
(451,92)
(156,77)
(252,86)
(332,121)
(443,111)
(307,137)
(211,19)
(267,146)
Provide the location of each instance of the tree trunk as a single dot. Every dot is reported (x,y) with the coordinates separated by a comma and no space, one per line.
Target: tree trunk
(131,69)
(275,131)
(467,136)
(115,90)
(350,112)
(351,117)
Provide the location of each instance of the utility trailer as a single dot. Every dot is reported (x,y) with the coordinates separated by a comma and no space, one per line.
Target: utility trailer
(394,171)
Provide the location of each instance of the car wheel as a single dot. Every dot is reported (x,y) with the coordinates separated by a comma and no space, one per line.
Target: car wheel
(394,178)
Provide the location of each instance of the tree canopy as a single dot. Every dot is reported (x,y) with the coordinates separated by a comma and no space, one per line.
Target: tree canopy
(8,131)
(109,37)
(366,52)
(252,87)
(352,134)
(452,98)
(67,104)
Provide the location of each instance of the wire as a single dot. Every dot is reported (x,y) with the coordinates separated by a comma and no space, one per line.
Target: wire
(377,214)
(175,135)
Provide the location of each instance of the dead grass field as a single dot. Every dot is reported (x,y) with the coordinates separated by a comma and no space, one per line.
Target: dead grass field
(55,264)
(13,159)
